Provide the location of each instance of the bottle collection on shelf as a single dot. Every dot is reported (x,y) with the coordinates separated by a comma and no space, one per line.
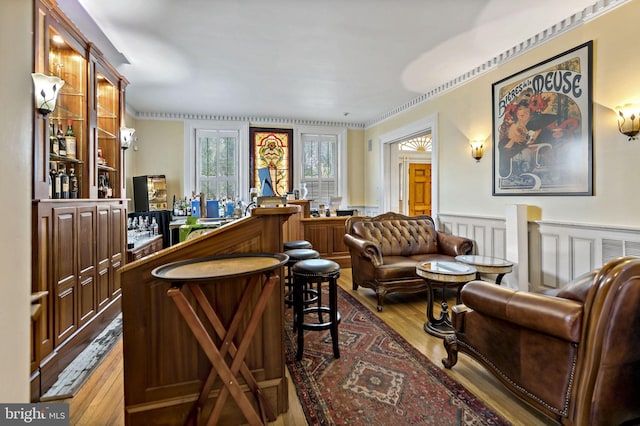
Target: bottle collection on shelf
(62,146)
(139,227)
(191,207)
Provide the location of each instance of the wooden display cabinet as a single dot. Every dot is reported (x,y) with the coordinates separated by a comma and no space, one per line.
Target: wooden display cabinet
(77,243)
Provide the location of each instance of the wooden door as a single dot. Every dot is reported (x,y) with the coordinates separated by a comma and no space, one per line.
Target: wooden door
(86,264)
(419,189)
(103,273)
(65,275)
(117,243)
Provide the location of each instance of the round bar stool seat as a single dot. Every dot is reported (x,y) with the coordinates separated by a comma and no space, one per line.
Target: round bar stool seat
(306,273)
(296,255)
(297,244)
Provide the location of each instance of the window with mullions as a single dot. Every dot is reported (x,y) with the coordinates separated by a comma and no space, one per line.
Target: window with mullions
(217,173)
(320,166)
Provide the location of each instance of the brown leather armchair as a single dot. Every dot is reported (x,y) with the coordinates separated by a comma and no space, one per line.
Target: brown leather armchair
(386,248)
(574,354)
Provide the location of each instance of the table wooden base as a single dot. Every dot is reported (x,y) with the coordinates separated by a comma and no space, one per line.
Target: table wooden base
(228,373)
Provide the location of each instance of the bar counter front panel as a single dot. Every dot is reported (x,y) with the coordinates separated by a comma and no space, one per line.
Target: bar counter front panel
(164,367)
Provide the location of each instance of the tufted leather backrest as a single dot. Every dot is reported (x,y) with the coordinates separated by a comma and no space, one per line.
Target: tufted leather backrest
(399,237)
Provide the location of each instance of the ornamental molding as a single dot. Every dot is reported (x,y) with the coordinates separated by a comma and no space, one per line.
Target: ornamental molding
(251,119)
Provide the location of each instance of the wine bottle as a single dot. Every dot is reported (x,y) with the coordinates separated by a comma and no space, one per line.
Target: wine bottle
(53,139)
(101,188)
(70,140)
(74,187)
(64,181)
(62,144)
(55,181)
(107,187)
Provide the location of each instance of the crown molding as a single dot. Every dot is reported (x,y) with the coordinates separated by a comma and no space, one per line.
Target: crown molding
(596,10)
(252,119)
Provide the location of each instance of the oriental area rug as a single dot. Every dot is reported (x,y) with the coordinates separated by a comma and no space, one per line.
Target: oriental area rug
(379,379)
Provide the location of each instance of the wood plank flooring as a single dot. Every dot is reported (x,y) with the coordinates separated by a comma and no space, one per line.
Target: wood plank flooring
(101,399)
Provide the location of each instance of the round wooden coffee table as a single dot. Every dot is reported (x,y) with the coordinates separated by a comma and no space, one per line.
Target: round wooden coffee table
(487,265)
(443,274)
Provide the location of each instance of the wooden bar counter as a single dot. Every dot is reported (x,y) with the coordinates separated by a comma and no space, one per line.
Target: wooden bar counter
(326,234)
(164,367)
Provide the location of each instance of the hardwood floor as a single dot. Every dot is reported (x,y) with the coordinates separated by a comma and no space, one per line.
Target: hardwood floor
(101,399)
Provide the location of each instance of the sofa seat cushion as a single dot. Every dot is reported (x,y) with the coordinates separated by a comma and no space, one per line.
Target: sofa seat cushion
(404,267)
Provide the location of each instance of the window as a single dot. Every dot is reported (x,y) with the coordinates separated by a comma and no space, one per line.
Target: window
(217,163)
(320,166)
(418,144)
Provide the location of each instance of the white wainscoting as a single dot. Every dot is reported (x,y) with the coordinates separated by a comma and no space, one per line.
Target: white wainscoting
(557,252)
(561,252)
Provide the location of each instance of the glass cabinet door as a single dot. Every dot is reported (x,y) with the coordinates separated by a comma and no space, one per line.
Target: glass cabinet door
(67,124)
(108,130)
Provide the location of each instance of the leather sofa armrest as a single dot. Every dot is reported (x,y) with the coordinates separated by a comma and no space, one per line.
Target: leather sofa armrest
(547,314)
(367,249)
(453,245)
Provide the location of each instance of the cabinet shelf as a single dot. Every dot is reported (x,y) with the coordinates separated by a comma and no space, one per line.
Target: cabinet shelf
(103,134)
(106,168)
(69,90)
(54,157)
(62,113)
(104,112)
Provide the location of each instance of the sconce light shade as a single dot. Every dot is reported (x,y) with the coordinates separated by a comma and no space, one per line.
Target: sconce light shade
(126,137)
(477,149)
(47,88)
(629,120)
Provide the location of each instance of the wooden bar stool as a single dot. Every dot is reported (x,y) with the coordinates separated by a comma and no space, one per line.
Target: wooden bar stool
(296,255)
(306,273)
(297,244)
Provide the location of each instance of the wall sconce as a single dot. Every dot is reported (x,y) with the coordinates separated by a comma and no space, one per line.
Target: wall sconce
(126,137)
(477,149)
(629,120)
(46,92)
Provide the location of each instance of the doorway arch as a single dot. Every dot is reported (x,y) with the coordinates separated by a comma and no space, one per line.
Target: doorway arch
(428,124)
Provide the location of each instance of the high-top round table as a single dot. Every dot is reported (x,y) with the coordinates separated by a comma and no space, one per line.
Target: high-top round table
(487,265)
(260,270)
(443,274)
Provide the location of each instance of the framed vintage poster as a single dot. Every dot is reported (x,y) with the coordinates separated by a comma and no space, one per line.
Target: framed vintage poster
(542,141)
(270,160)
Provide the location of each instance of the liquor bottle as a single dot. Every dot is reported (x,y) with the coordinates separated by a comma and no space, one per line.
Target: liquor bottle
(53,139)
(62,144)
(55,181)
(101,190)
(154,227)
(107,187)
(74,187)
(64,181)
(70,140)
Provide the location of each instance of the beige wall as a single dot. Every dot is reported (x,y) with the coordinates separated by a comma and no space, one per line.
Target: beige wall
(356,145)
(16,43)
(159,150)
(465,113)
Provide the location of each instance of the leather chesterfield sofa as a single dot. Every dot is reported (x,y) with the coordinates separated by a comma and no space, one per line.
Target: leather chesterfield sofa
(386,248)
(573,354)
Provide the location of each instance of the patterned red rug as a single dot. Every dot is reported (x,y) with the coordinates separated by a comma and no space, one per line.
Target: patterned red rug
(380,379)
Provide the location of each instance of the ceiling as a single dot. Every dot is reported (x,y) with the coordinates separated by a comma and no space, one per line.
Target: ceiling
(323,60)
